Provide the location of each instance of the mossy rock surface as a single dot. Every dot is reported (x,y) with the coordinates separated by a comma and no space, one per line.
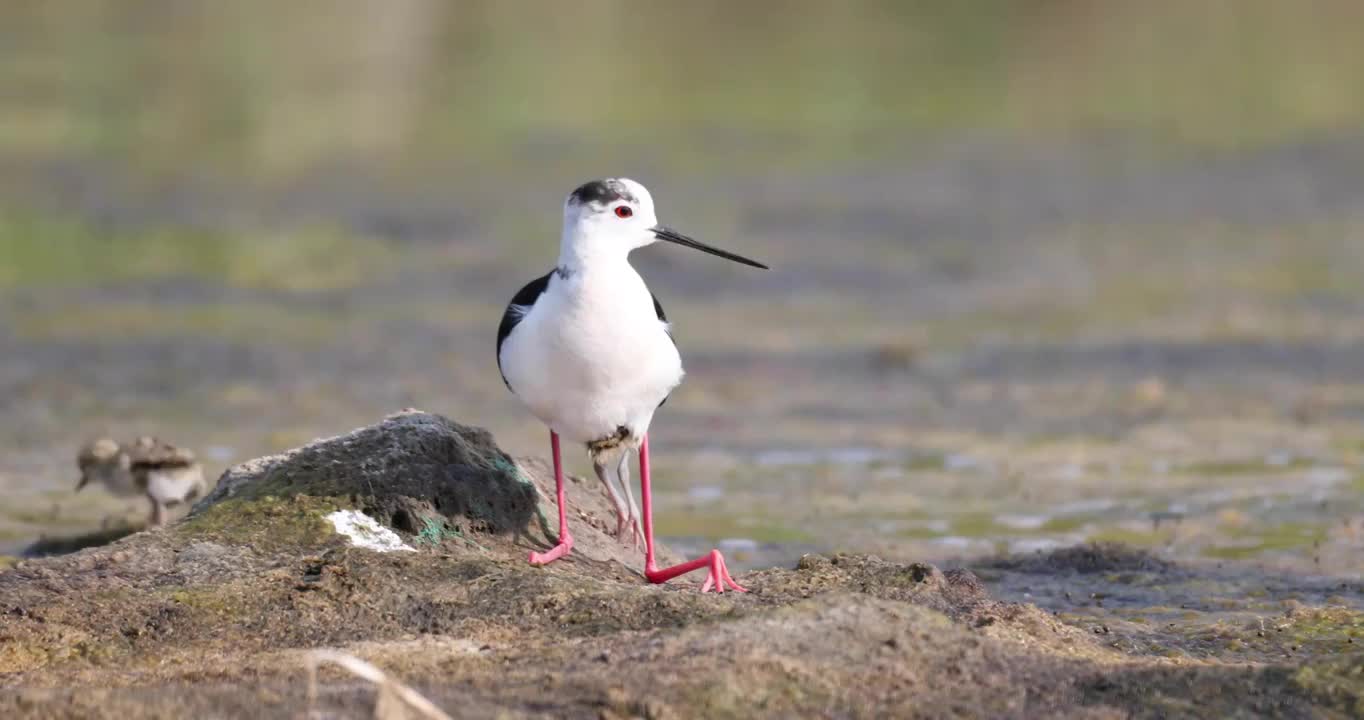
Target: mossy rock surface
(405,470)
(438,484)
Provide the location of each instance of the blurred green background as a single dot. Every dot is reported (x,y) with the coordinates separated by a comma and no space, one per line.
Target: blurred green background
(1044,270)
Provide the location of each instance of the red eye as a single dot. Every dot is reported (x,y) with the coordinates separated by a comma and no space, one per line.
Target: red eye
(624,211)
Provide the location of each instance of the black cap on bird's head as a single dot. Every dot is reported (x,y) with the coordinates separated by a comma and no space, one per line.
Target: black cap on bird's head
(601,191)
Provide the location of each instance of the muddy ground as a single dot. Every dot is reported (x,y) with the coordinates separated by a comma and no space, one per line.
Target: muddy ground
(214,616)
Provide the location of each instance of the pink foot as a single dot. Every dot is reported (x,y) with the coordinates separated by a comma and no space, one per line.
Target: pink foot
(718,578)
(558,551)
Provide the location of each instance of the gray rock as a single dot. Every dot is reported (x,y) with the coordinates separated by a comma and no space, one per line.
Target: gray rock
(410,469)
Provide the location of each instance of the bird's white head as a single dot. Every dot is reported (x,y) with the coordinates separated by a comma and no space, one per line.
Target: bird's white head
(98,460)
(606,219)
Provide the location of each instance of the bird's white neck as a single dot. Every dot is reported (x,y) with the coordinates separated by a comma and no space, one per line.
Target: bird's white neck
(579,251)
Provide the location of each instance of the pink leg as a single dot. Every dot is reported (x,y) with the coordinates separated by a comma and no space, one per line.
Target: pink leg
(719,575)
(565,539)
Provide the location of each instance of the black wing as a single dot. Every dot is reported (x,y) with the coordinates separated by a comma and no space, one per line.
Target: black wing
(520,305)
(663,318)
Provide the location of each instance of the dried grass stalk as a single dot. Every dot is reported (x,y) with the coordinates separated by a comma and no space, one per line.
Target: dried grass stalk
(394,698)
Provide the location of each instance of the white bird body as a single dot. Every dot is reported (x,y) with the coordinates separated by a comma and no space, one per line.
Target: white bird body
(591,355)
(175,485)
(586,347)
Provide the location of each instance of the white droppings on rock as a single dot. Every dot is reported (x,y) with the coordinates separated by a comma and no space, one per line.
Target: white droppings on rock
(364,531)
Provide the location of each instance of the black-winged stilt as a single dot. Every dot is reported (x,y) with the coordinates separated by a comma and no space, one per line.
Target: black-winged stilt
(586,347)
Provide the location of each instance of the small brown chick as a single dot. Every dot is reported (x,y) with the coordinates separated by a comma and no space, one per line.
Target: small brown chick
(167,475)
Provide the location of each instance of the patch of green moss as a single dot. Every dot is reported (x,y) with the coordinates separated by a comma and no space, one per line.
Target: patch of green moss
(1233,552)
(918,532)
(1328,629)
(1337,682)
(920,462)
(26,656)
(1068,523)
(1243,467)
(435,531)
(11,533)
(246,321)
(1304,633)
(1258,539)
(1294,274)
(266,522)
(978,524)
(988,524)
(42,517)
(18,656)
(218,601)
(38,250)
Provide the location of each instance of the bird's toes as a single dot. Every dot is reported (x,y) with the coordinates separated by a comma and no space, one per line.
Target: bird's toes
(718,578)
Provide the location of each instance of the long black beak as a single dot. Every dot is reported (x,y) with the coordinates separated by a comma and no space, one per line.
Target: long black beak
(673,236)
(83,481)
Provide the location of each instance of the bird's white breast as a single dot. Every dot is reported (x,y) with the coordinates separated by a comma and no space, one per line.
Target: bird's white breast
(591,354)
(172,485)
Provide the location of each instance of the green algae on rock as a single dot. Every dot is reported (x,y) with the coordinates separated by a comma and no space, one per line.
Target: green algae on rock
(266,522)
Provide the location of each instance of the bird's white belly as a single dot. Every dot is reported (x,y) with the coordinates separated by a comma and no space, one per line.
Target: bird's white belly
(586,374)
(174,485)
